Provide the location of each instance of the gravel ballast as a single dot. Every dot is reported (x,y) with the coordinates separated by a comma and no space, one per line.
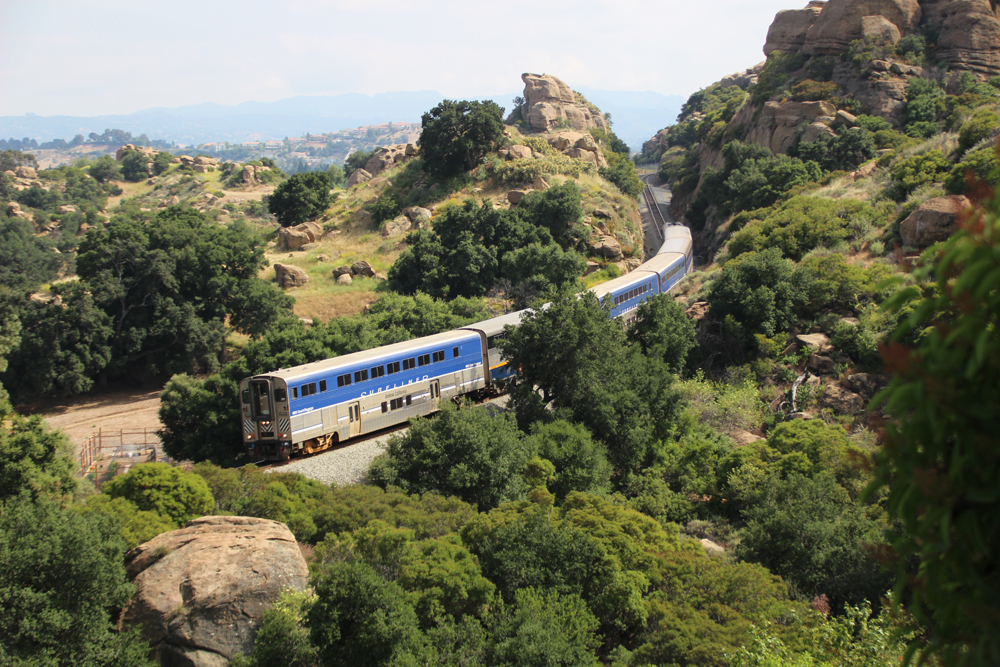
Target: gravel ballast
(349,464)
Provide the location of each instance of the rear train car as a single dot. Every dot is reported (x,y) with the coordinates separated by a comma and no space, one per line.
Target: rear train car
(311,407)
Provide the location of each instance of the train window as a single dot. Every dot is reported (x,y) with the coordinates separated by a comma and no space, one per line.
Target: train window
(378,371)
(280,395)
(308,389)
(360,376)
(322,385)
(439,356)
(392,367)
(385,407)
(409,363)
(423,360)
(245,395)
(343,380)
(409,400)
(295,393)
(454,352)
(396,403)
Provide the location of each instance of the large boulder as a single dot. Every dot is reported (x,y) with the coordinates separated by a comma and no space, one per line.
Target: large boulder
(290,238)
(25,172)
(519,152)
(396,226)
(607,247)
(358,176)
(14,211)
(841,400)
(290,276)
(842,21)
(549,101)
(417,214)
(935,220)
(201,591)
(363,268)
(384,158)
(788,31)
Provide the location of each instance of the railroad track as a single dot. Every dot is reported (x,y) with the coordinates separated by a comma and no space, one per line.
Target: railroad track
(654,208)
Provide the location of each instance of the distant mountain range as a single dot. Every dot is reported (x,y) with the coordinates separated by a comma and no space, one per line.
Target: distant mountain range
(636,117)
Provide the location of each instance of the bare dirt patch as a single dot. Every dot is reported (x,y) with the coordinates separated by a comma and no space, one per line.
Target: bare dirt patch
(111,411)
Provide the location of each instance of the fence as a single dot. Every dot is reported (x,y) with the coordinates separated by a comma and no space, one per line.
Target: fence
(109,453)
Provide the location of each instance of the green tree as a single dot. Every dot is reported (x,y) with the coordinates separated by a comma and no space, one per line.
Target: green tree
(356,160)
(64,345)
(456,135)
(60,573)
(940,463)
(200,419)
(26,260)
(471,454)
(976,128)
(581,463)
(160,163)
(558,210)
(170,492)
(544,629)
(302,197)
(135,166)
(34,460)
(359,618)
(136,526)
(104,169)
(283,639)
(759,290)
(808,531)
(663,331)
(574,355)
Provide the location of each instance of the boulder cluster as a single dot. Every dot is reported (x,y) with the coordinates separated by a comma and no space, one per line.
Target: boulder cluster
(384,158)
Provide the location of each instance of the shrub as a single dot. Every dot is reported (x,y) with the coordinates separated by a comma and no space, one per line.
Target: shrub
(843,152)
(976,128)
(982,165)
(808,90)
(759,290)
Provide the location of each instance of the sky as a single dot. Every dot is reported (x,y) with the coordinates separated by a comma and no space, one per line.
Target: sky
(67,57)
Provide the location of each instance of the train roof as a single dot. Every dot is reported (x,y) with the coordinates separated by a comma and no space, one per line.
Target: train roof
(636,277)
(369,356)
(672,233)
(661,261)
(495,326)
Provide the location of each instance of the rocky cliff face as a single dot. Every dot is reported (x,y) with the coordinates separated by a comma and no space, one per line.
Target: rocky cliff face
(968,31)
(551,104)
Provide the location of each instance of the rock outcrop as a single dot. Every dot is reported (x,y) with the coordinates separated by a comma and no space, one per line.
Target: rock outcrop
(782,124)
(290,276)
(790,27)
(549,103)
(842,21)
(294,238)
(969,37)
(358,176)
(201,591)
(968,30)
(25,172)
(387,157)
(935,220)
(145,150)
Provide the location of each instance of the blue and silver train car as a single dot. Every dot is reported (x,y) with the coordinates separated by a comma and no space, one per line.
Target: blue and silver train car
(308,408)
(491,331)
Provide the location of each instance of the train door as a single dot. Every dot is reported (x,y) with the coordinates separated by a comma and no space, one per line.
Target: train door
(435,391)
(354,411)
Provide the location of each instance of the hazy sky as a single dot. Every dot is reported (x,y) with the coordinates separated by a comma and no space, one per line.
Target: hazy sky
(69,57)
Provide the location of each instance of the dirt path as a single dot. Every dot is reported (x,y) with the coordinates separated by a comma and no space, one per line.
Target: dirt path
(110,411)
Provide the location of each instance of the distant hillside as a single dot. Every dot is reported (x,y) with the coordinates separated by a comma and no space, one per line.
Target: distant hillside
(636,116)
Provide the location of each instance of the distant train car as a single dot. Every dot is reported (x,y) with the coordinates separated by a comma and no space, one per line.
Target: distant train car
(308,408)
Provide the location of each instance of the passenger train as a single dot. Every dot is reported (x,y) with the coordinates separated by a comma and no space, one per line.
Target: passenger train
(311,407)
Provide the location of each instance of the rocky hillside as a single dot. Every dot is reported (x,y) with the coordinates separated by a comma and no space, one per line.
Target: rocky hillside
(844,81)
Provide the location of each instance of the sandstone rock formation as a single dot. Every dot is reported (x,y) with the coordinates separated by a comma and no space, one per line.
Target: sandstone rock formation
(386,157)
(362,268)
(290,276)
(417,214)
(251,171)
(14,211)
(25,172)
(580,145)
(549,102)
(344,279)
(397,225)
(294,238)
(935,220)
(201,591)
(607,247)
(358,176)
(782,124)
(970,35)
(968,30)
(788,31)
